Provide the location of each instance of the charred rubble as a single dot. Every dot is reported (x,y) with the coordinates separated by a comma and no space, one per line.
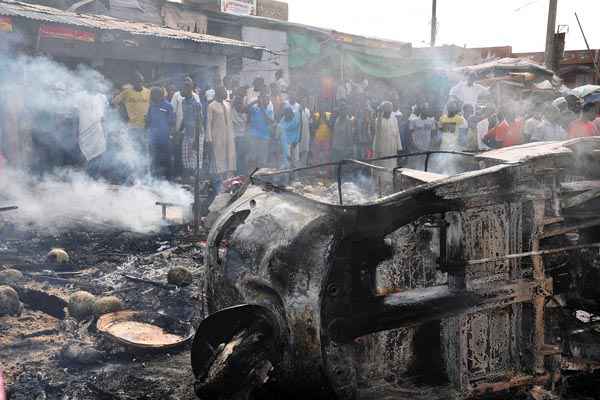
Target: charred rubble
(47,353)
(421,286)
(480,284)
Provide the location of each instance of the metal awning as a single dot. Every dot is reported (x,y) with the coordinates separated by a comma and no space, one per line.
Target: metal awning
(35,12)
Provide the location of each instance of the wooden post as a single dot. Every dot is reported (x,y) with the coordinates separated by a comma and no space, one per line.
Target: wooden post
(596,69)
(550,29)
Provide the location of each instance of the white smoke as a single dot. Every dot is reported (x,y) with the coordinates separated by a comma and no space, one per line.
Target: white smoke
(69,199)
(66,199)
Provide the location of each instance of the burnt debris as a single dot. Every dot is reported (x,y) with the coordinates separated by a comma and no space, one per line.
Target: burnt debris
(461,286)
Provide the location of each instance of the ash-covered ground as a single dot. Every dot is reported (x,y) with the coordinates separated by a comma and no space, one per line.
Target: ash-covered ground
(46,353)
(49,356)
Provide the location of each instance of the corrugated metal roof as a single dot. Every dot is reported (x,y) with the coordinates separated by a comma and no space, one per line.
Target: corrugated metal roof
(48,14)
(260,21)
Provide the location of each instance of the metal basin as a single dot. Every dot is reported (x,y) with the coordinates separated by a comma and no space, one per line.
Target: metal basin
(145,329)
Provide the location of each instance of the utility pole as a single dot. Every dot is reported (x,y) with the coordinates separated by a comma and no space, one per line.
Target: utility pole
(433,22)
(549,55)
(596,68)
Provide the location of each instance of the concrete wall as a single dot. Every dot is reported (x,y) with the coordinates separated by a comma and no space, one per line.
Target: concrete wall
(275,41)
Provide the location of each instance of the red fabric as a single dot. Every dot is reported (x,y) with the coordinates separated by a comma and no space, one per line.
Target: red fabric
(2,391)
(498,132)
(514,135)
(327,88)
(581,128)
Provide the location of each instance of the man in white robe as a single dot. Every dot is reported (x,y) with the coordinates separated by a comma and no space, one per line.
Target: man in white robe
(219,133)
(386,142)
(91,109)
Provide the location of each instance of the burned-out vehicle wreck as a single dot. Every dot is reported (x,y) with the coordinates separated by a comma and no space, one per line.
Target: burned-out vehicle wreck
(459,286)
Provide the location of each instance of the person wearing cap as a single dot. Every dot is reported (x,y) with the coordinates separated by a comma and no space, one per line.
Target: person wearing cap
(177,101)
(386,141)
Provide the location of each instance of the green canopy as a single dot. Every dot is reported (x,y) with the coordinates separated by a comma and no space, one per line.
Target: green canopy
(383,67)
(307,49)
(302,49)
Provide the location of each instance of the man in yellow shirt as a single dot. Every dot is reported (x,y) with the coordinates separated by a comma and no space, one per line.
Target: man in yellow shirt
(322,142)
(450,126)
(136,100)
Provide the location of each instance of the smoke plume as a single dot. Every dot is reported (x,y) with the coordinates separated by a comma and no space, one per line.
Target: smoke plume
(65,200)
(58,199)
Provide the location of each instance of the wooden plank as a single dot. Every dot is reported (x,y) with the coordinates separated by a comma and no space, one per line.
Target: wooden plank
(422,176)
(526,152)
(579,186)
(566,228)
(553,220)
(513,382)
(580,199)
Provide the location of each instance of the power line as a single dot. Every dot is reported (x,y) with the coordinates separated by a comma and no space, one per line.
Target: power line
(526,5)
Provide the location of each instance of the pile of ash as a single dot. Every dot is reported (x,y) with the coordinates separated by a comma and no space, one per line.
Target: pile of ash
(52,352)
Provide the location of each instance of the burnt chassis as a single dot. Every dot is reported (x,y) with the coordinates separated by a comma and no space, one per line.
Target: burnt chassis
(315,276)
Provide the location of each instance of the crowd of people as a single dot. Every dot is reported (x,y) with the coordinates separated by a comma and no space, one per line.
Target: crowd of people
(230,129)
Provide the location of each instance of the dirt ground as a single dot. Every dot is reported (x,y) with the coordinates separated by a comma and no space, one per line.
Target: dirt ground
(103,262)
(132,267)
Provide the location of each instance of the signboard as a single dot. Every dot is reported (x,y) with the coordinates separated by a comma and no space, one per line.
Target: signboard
(66,33)
(5,24)
(239,7)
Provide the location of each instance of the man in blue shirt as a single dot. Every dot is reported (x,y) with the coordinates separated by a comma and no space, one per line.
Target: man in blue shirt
(289,130)
(261,120)
(160,119)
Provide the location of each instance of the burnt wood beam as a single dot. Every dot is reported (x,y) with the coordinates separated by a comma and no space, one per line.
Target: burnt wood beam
(418,306)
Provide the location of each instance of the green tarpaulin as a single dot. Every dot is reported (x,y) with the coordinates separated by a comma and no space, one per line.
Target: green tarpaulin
(307,49)
(382,67)
(303,49)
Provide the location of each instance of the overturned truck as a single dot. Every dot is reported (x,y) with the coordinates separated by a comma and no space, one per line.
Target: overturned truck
(446,286)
